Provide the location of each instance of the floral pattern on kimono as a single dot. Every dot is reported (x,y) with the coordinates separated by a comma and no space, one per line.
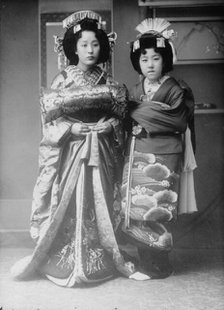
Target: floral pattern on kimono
(150,187)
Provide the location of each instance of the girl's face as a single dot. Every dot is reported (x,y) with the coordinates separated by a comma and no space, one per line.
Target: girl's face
(151,64)
(88,50)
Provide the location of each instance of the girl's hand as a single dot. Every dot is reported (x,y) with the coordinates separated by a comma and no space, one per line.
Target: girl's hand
(103,128)
(80,129)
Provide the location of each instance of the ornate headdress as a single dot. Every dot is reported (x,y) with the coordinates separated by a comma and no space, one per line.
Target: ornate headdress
(157,27)
(74,20)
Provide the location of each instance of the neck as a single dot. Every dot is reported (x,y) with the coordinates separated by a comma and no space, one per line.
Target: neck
(155,82)
(84,68)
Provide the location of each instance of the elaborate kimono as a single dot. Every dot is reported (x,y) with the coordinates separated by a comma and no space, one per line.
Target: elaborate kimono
(75,208)
(153,165)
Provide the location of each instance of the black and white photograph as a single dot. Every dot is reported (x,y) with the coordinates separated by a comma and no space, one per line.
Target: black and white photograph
(111,154)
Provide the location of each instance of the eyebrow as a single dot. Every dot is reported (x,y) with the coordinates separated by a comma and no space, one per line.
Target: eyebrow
(145,55)
(83,40)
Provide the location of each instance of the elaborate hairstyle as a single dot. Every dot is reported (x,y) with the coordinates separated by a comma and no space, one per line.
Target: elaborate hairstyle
(154,34)
(71,38)
(75,24)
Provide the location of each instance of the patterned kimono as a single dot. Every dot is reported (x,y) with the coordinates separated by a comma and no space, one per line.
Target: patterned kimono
(151,178)
(74,203)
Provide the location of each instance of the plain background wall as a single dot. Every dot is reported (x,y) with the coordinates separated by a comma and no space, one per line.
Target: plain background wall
(19,110)
(20,130)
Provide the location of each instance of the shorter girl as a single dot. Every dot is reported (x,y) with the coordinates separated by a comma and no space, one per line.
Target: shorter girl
(152,172)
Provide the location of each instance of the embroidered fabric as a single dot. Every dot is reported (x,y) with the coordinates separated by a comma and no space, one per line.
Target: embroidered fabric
(73,199)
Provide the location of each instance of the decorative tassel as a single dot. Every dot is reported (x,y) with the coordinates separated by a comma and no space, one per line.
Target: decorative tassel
(136,45)
(58,48)
(160,42)
(173,51)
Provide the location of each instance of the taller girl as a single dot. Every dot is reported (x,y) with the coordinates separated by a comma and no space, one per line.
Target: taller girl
(73,212)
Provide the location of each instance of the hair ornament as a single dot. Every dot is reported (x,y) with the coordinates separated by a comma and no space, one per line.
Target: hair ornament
(112,37)
(136,45)
(160,42)
(173,51)
(169,34)
(75,18)
(76,28)
(58,48)
(153,25)
(158,27)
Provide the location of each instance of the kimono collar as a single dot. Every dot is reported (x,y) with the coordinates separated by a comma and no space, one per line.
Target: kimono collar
(153,86)
(81,78)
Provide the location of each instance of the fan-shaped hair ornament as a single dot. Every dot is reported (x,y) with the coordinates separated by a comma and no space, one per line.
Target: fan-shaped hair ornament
(157,25)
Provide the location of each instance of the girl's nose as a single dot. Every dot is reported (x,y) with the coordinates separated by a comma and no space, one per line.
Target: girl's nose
(90,49)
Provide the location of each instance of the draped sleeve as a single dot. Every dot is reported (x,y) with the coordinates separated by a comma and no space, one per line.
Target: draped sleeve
(165,113)
(56,131)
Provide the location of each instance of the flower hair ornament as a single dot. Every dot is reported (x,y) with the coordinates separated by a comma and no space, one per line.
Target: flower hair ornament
(74,20)
(157,27)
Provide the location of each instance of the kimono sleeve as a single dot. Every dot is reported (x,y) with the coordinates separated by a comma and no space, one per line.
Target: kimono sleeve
(118,131)
(190,104)
(175,117)
(56,131)
(166,113)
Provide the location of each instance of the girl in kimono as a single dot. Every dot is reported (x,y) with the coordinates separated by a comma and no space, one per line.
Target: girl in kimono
(74,209)
(155,158)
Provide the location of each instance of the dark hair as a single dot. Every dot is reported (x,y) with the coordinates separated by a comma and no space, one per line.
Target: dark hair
(70,41)
(149,41)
